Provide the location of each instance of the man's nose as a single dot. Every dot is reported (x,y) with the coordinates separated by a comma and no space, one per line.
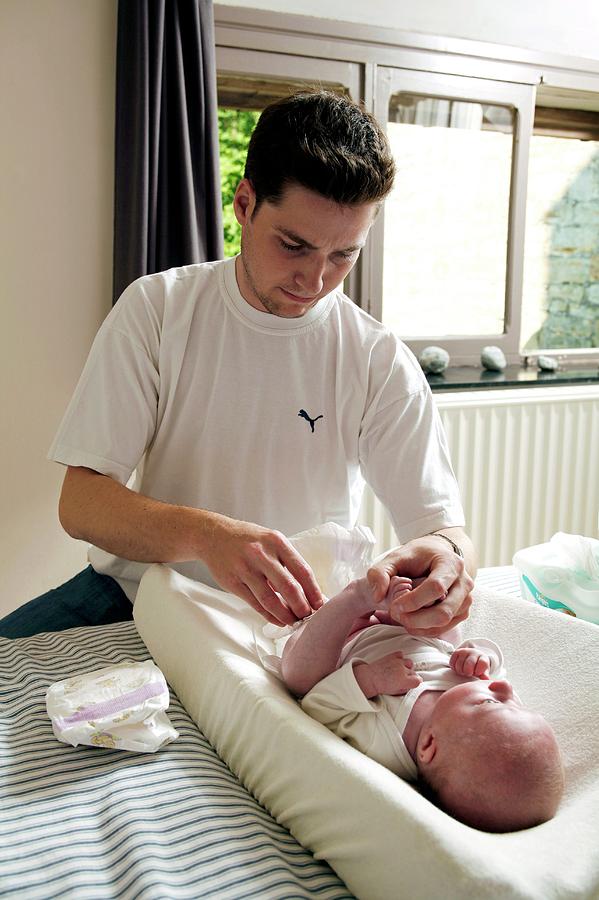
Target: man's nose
(502,690)
(311,276)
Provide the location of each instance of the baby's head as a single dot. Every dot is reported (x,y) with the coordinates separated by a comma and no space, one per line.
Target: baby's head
(488,760)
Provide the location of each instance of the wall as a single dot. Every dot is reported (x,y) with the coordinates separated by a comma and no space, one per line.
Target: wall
(57,100)
(551,25)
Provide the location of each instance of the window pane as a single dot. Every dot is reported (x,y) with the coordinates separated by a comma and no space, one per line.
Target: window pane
(560,308)
(234,129)
(446,221)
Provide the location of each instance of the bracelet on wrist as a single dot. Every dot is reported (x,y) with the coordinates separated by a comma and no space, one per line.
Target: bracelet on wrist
(454,546)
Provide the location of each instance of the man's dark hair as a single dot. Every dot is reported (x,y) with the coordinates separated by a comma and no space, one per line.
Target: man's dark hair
(322,141)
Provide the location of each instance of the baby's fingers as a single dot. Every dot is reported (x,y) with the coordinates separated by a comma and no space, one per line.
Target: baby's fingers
(412,680)
(481,669)
(463,662)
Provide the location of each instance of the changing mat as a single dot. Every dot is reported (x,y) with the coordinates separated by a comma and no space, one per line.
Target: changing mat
(379,834)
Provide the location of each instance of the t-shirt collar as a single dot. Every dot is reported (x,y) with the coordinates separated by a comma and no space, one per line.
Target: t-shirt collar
(265,321)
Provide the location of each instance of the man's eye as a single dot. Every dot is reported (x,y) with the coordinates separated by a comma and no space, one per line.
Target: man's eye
(290,247)
(489,700)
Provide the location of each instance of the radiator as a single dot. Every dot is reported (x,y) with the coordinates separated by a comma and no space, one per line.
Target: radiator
(527,462)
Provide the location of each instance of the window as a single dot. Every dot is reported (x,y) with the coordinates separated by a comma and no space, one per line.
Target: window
(491,235)
(452,195)
(447,239)
(560,299)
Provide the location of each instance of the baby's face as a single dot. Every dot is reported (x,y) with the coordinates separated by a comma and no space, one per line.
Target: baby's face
(476,705)
(493,762)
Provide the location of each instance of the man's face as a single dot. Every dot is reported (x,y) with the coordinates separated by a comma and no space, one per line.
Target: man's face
(297,251)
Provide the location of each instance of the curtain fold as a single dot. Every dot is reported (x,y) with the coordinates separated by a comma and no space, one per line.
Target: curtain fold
(167,181)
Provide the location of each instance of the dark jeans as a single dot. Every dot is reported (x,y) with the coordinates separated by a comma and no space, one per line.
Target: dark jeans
(87,599)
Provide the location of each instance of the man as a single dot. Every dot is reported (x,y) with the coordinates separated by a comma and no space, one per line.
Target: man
(249,397)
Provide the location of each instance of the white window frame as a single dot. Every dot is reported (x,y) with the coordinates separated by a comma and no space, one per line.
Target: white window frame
(465,350)
(296,44)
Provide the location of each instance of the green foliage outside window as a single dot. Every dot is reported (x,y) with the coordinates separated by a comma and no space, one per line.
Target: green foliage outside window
(234,129)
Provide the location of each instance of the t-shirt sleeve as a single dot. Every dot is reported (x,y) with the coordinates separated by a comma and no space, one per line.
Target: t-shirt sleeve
(112,416)
(404,454)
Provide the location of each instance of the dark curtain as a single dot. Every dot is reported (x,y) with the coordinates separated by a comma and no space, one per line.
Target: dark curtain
(167,183)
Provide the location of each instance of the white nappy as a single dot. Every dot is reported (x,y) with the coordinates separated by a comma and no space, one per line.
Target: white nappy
(336,556)
(120,707)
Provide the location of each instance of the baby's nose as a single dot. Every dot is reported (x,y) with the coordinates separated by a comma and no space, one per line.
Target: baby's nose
(502,689)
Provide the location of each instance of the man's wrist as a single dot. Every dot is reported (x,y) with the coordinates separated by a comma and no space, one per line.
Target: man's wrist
(456,549)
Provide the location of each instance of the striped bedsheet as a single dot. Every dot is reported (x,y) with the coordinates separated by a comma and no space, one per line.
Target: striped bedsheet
(96,823)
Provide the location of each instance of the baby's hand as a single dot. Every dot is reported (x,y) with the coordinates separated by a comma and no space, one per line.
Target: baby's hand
(467,661)
(391,674)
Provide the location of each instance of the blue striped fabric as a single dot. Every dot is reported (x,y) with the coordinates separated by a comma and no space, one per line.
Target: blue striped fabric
(94,823)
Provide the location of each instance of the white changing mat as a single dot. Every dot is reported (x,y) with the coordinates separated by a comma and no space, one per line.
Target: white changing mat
(376,831)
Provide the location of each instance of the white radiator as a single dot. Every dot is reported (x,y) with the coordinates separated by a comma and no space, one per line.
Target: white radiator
(527,462)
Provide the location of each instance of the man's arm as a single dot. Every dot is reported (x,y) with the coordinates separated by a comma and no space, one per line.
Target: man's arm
(442,596)
(254,563)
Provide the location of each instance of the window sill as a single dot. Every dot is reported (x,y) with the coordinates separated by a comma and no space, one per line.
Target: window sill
(471,378)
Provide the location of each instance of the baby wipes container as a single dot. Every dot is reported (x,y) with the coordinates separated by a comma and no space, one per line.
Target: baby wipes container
(562,574)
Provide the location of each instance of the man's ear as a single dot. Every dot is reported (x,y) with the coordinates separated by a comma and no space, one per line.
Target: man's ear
(244,201)
(427,747)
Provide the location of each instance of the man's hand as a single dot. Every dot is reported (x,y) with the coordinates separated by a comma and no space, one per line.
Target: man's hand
(473,663)
(391,674)
(263,568)
(441,597)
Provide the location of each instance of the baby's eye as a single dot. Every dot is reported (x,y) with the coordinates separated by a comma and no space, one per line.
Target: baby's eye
(489,700)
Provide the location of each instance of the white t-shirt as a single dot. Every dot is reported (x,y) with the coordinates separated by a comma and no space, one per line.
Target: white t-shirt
(376,726)
(216,405)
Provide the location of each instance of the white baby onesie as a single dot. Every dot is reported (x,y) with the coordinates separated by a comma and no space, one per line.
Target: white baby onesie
(376,726)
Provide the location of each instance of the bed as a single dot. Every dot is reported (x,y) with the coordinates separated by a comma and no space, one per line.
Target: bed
(255,799)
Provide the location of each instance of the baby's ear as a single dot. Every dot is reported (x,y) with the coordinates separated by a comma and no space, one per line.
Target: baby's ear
(427,747)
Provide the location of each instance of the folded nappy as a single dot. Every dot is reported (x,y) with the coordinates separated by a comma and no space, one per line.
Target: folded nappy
(120,707)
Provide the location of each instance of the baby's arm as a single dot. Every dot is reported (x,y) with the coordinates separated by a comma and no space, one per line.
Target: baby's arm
(313,650)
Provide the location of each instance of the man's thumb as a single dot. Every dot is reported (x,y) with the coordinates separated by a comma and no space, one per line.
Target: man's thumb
(379,583)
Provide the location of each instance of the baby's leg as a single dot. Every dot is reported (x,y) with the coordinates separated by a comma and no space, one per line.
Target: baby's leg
(313,650)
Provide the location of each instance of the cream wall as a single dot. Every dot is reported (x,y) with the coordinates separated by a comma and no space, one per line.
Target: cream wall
(57,101)
(56,153)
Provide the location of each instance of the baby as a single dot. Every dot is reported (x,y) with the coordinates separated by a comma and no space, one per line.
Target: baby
(426,709)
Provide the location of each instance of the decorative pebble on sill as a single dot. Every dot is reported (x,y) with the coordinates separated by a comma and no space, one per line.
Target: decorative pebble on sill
(434,360)
(493,359)
(547,364)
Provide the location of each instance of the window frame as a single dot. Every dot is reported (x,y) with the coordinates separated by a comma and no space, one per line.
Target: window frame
(465,350)
(310,42)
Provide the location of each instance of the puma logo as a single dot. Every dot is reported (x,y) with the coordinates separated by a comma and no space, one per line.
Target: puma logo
(305,415)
